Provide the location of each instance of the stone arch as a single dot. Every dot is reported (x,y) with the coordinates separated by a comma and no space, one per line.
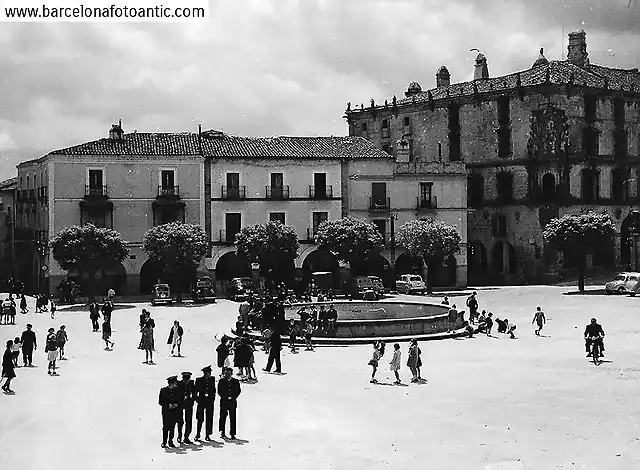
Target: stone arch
(548,187)
(407,264)
(378,265)
(151,272)
(230,265)
(320,261)
(446,275)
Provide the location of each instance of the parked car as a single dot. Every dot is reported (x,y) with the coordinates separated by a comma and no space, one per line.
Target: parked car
(161,294)
(410,284)
(322,280)
(240,288)
(203,291)
(377,285)
(361,287)
(623,283)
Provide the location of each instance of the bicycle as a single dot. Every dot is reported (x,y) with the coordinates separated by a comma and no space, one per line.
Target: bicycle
(596,349)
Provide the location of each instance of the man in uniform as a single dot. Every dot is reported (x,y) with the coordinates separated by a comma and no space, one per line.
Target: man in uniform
(170,402)
(205,393)
(187,390)
(229,390)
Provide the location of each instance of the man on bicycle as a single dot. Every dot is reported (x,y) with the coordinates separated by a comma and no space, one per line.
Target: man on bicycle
(593,332)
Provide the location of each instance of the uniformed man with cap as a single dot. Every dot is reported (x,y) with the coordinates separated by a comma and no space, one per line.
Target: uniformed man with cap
(229,390)
(170,402)
(186,387)
(205,392)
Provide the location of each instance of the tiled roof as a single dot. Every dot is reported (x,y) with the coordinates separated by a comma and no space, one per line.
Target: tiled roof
(290,147)
(216,144)
(8,185)
(555,72)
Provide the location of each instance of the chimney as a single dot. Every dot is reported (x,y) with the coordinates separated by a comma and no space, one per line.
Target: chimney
(577,50)
(116,132)
(481,71)
(443,78)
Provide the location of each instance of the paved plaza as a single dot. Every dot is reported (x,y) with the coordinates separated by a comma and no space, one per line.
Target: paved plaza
(489,403)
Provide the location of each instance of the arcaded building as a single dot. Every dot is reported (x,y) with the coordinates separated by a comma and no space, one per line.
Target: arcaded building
(560,137)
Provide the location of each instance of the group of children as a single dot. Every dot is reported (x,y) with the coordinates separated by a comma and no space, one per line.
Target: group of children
(414,362)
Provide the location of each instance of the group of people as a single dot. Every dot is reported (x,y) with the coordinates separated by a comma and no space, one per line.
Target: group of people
(177,401)
(106,308)
(414,361)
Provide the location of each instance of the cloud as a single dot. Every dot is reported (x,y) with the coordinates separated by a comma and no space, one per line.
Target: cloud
(272,67)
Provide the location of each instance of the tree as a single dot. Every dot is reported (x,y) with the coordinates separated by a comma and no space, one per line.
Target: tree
(577,235)
(351,240)
(431,239)
(88,249)
(178,248)
(273,245)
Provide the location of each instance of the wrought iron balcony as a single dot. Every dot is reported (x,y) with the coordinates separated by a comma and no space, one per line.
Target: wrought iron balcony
(95,191)
(379,205)
(233,193)
(320,192)
(426,204)
(169,191)
(277,192)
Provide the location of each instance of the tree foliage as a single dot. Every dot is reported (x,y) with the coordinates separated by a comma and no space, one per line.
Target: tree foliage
(350,239)
(177,247)
(87,247)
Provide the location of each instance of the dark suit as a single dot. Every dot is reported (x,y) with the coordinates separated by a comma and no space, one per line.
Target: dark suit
(205,394)
(170,402)
(28,344)
(188,392)
(229,390)
(274,352)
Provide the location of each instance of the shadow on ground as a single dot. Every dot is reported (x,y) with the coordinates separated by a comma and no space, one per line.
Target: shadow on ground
(85,308)
(586,292)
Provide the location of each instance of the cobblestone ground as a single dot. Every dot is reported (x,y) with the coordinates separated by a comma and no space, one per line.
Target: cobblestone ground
(489,403)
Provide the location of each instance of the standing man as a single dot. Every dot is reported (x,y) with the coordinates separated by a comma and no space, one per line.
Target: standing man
(540,319)
(274,352)
(243,311)
(332,314)
(62,339)
(453,316)
(170,403)
(175,337)
(188,391)
(472,303)
(229,390)
(205,393)
(29,343)
(94,314)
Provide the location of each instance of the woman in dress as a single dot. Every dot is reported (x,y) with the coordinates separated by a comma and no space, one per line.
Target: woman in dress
(23,304)
(412,361)
(394,365)
(146,342)
(8,372)
(106,334)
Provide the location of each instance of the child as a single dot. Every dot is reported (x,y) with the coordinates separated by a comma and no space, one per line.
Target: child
(539,318)
(51,349)
(62,338)
(378,352)
(307,336)
(395,362)
(7,367)
(412,361)
(292,335)
(510,329)
(16,351)
(53,309)
(106,334)
(251,370)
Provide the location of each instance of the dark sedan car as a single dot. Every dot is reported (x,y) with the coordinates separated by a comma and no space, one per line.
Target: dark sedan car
(204,291)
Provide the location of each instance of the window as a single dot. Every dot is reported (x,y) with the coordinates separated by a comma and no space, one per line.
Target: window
(320,186)
(590,185)
(385,128)
(364,131)
(619,185)
(232,190)
(504,128)
(499,225)
(379,194)
(233,180)
(425,201)
(548,187)
(167,179)
(475,190)
(276,217)
(618,112)
(277,190)
(590,108)
(454,133)
(96,183)
(590,141)
(318,218)
(505,187)
(232,226)
(406,124)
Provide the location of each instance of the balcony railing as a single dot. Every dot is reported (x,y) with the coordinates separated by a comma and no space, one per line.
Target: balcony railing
(169,191)
(233,193)
(277,192)
(379,205)
(40,235)
(227,237)
(424,203)
(95,191)
(320,192)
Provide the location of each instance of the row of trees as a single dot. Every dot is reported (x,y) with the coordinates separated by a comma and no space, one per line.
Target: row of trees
(179,248)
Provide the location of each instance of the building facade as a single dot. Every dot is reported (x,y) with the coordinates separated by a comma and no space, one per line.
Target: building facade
(7,237)
(127,182)
(560,137)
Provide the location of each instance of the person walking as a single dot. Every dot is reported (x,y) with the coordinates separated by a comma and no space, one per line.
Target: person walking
(169,400)
(228,390)
(8,371)
(62,338)
(453,316)
(378,352)
(147,341)
(15,354)
(188,390)
(106,334)
(251,370)
(29,344)
(205,393)
(53,307)
(274,353)
(94,315)
(308,335)
(23,304)
(540,319)
(394,365)
(175,337)
(412,361)
(51,348)
(243,312)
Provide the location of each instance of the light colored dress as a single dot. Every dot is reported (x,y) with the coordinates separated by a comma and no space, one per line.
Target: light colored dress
(394,365)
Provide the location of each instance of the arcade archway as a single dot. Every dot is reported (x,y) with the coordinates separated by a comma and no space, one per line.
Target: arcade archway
(151,272)
(320,261)
(230,266)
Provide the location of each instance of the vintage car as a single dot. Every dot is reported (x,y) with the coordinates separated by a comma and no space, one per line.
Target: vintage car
(361,287)
(410,284)
(623,283)
(203,291)
(377,285)
(240,288)
(161,294)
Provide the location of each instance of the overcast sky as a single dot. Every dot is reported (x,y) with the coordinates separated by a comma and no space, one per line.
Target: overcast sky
(273,67)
